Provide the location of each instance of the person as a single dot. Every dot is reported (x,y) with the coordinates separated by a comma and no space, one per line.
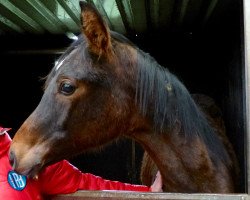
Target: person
(59,178)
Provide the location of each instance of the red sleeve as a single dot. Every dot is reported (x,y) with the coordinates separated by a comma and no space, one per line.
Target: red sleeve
(92,182)
(63,178)
(60,178)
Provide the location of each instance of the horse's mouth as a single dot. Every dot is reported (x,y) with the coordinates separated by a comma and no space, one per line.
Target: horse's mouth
(26,166)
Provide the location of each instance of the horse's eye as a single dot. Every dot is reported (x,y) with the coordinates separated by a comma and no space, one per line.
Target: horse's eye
(67,88)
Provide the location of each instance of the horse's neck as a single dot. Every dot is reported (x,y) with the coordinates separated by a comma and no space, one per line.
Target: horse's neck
(185,166)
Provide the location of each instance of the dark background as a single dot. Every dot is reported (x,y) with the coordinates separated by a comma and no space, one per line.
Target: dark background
(208,61)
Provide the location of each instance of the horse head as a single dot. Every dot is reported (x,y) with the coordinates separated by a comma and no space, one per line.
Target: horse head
(87,101)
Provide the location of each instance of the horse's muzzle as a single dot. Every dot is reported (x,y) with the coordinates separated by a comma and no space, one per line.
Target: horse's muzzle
(30,171)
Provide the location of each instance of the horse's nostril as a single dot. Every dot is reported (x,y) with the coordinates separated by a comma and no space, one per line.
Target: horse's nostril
(12,159)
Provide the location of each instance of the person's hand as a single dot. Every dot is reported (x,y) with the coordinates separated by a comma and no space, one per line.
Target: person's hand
(3,130)
(157,184)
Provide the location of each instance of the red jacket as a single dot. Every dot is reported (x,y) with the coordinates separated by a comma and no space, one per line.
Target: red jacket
(59,178)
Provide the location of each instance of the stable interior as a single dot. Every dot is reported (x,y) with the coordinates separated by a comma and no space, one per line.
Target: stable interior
(204,49)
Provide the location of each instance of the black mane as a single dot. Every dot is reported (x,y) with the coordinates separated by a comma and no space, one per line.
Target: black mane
(160,91)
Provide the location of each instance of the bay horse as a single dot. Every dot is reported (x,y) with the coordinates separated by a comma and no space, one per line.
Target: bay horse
(104,87)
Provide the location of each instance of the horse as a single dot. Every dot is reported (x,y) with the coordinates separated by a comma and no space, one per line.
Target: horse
(214,116)
(104,87)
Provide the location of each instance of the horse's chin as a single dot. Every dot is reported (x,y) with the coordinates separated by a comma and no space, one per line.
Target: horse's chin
(32,172)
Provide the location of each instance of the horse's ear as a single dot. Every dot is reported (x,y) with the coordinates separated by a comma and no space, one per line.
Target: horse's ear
(95,29)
